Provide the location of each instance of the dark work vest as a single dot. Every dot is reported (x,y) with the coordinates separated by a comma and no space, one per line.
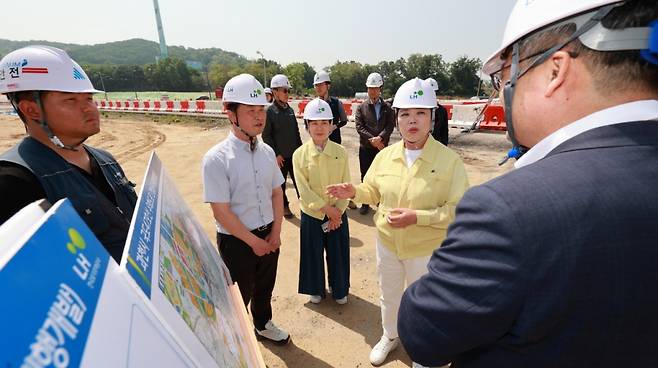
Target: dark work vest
(335,135)
(60,179)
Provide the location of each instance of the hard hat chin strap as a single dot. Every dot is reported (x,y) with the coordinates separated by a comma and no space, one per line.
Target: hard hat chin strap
(43,123)
(252,139)
(508,91)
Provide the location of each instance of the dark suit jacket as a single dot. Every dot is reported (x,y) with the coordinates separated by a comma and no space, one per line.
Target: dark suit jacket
(551,265)
(367,125)
(440,131)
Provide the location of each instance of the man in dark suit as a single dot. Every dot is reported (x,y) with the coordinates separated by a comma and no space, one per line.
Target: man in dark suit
(440,130)
(554,263)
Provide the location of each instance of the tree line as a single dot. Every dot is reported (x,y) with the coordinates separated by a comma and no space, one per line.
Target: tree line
(458,78)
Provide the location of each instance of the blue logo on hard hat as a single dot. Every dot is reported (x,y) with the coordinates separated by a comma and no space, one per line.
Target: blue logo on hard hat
(24,62)
(77,74)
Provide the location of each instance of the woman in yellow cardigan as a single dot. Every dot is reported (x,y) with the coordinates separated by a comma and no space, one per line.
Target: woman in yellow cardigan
(416,183)
(323,225)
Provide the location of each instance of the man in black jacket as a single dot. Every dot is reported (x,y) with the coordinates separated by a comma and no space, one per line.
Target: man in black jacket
(554,263)
(440,130)
(322,84)
(53,97)
(282,133)
(375,120)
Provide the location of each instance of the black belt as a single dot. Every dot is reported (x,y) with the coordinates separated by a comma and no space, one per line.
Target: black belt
(262,228)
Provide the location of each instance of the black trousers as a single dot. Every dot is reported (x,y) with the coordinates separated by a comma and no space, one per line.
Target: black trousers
(314,243)
(285,170)
(255,275)
(366,156)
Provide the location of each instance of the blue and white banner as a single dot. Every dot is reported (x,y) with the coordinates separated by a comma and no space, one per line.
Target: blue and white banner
(50,289)
(66,303)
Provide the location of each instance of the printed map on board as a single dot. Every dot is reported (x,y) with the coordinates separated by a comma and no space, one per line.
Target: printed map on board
(193,281)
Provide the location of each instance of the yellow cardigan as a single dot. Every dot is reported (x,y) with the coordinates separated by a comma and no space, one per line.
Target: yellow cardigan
(432,186)
(314,170)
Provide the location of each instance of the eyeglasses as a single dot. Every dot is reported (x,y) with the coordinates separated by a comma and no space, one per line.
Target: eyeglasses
(497,76)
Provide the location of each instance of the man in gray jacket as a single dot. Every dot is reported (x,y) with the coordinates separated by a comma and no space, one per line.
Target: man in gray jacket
(282,133)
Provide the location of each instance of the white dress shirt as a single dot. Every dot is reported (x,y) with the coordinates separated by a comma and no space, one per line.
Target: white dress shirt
(233,174)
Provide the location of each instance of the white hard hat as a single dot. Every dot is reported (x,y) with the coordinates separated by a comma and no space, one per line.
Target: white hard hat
(321,77)
(268,90)
(432,83)
(318,109)
(42,68)
(244,89)
(280,81)
(529,16)
(415,93)
(374,80)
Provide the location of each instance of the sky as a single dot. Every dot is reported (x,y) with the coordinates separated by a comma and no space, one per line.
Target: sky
(319,33)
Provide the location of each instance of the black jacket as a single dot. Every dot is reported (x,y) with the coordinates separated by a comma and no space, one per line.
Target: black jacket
(281,130)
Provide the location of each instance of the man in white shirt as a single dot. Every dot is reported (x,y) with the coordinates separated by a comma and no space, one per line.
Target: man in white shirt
(242,183)
(550,265)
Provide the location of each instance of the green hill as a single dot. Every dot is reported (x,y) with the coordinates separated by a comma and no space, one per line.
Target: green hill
(130,52)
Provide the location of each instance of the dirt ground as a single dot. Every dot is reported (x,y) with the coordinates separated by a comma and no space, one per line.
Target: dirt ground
(323,335)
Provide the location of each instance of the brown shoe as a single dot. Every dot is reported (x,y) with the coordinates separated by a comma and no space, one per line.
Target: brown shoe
(287,213)
(351,205)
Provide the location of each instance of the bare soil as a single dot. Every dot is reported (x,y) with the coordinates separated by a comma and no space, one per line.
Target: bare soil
(323,335)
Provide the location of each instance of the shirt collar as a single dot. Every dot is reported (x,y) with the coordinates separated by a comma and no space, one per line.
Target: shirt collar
(631,111)
(378,101)
(237,142)
(328,150)
(280,106)
(429,151)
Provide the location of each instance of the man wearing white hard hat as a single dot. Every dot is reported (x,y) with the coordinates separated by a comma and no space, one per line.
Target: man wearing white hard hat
(323,225)
(322,84)
(54,98)
(554,263)
(440,130)
(268,95)
(282,133)
(374,120)
(242,184)
(417,183)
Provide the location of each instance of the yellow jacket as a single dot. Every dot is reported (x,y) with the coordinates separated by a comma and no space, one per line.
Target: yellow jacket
(314,170)
(432,186)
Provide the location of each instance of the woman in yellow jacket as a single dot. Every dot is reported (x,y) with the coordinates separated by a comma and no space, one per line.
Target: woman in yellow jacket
(416,183)
(323,225)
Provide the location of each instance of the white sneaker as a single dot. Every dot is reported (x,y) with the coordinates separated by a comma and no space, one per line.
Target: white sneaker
(416,365)
(273,333)
(342,300)
(315,299)
(381,350)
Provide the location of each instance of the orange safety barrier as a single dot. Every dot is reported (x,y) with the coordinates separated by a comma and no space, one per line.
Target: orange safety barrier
(184,105)
(200,106)
(348,109)
(302,106)
(494,118)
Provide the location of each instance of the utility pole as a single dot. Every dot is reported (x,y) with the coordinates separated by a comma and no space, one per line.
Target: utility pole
(264,68)
(164,53)
(103,84)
